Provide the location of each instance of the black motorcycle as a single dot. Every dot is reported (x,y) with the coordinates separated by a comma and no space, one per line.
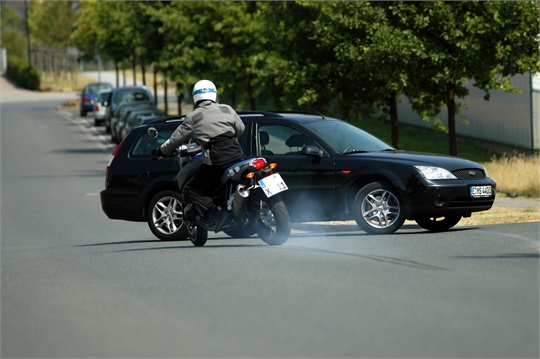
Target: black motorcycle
(247,200)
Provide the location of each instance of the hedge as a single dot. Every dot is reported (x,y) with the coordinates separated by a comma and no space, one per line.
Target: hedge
(22,74)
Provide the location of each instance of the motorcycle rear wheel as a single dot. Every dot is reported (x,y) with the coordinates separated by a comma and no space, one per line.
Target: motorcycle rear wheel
(271,218)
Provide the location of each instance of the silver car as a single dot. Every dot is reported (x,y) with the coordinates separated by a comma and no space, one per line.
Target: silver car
(102,106)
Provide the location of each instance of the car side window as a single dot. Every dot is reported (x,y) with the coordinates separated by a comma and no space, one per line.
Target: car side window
(280,140)
(145,144)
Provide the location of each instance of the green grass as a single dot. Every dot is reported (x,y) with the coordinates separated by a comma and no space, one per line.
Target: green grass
(424,140)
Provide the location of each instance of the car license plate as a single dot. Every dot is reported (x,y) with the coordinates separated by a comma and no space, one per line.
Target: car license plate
(273,184)
(480,191)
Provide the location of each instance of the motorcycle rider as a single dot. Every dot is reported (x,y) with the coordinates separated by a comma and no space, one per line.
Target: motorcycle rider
(216,127)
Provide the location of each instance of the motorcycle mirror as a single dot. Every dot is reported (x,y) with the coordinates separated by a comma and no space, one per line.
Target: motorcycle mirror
(152,132)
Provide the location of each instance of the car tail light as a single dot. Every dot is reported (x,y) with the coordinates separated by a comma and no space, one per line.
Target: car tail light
(111,159)
(96,108)
(85,99)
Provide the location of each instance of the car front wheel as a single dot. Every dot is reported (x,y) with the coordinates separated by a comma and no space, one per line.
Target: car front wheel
(440,224)
(165,216)
(378,209)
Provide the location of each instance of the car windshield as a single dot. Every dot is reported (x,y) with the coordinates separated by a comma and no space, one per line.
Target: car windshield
(346,138)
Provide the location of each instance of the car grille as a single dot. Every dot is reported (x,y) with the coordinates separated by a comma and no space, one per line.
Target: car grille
(469,173)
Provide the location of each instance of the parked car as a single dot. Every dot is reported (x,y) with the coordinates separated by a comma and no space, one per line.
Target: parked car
(136,116)
(89,94)
(127,94)
(101,106)
(122,111)
(334,171)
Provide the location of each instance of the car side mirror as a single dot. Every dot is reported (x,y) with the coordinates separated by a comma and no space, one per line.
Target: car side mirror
(152,132)
(311,150)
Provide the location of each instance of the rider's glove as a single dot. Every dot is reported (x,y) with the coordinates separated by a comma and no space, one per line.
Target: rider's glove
(156,153)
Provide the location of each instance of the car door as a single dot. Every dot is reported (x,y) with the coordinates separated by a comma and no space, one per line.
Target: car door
(311,179)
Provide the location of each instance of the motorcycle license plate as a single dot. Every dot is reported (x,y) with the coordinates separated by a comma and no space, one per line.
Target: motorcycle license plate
(272,185)
(480,191)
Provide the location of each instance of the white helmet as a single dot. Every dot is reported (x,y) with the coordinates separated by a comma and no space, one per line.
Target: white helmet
(204,90)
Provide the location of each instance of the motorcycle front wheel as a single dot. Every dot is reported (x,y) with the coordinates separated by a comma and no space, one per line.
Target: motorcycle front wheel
(271,218)
(197,234)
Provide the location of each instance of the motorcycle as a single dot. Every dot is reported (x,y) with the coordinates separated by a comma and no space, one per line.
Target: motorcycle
(247,197)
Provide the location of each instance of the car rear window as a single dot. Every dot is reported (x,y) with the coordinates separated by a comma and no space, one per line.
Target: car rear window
(130,95)
(95,88)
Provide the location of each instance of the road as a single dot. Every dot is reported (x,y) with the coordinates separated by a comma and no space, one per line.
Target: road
(76,284)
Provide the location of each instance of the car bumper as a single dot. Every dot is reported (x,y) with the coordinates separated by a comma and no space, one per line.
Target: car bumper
(122,204)
(438,200)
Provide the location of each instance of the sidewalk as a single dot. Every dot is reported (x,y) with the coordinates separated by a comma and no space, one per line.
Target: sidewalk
(10,93)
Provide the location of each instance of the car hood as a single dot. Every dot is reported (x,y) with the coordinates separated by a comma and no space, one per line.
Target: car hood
(417,158)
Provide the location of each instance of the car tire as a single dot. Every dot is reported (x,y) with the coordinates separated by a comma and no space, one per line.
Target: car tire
(82,112)
(438,224)
(165,216)
(97,122)
(378,209)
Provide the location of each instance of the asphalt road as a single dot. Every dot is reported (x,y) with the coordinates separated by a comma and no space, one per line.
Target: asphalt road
(75,284)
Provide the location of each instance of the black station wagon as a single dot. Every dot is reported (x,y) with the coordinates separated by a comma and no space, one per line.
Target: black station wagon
(334,171)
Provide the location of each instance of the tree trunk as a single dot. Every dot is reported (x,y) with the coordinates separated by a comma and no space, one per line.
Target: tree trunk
(394,122)
(134,67)
(117,71)
(143,69)
(451,105)
(165,100)
(155,87)
(252,103)
(179,96)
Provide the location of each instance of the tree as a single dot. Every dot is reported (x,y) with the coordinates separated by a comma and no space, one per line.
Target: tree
(487,42)
(12,33)
(51,23)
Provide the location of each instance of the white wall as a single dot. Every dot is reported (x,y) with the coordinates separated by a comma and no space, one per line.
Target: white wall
(507,118)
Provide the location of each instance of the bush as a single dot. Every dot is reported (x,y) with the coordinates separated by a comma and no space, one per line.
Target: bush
(21,73)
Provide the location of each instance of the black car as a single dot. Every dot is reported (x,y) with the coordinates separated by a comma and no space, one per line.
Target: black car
(334,171)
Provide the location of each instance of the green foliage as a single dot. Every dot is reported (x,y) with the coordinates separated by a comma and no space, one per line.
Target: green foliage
(51,23)
(19,71)
(350,59)
(12,32)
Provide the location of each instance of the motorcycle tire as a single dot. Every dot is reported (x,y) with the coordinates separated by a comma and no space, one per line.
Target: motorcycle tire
(271,218)
(197,234)
(165,216)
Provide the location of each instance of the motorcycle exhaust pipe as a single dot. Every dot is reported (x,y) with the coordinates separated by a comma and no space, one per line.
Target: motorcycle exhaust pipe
(240,201)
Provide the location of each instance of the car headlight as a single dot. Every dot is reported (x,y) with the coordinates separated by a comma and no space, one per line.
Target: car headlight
(432,173)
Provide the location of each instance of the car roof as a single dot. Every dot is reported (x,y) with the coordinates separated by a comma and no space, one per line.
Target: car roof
(247,115)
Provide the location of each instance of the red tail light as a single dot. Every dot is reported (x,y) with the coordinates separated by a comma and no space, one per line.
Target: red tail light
(258,163)
(96,108)
(85,99)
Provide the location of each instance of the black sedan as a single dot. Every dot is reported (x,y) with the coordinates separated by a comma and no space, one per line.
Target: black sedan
(334,171)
